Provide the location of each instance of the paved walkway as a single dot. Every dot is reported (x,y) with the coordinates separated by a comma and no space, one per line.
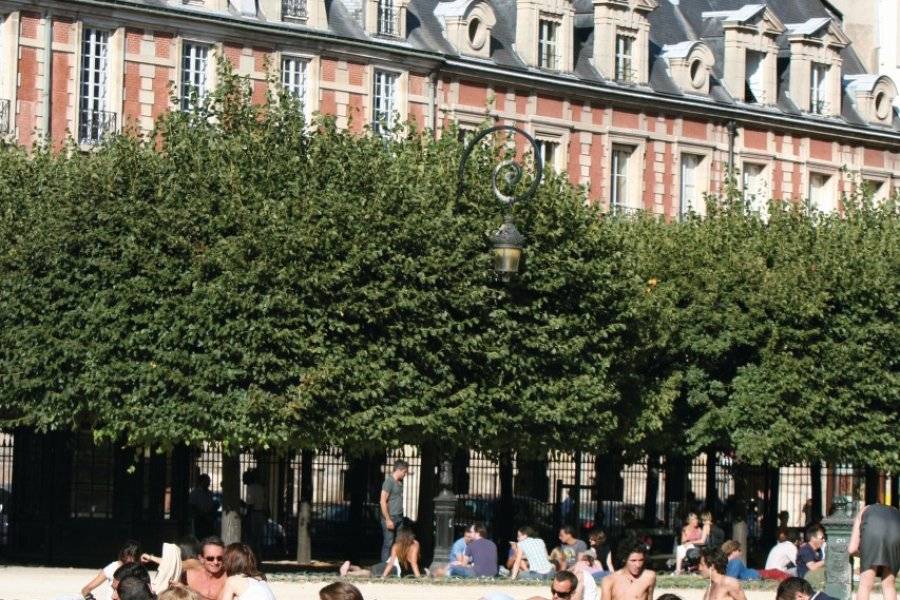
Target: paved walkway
(43,583)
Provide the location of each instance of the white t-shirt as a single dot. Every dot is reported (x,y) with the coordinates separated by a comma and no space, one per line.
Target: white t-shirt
(590,587)
(110,569)
(781,555)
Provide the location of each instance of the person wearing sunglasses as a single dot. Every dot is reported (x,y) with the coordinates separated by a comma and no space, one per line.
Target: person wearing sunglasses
(209,580)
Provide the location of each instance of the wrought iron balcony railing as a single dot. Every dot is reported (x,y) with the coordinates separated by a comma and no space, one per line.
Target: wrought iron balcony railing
(94,125)
(294,9)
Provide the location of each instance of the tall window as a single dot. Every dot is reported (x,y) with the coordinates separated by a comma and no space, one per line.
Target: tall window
(619,198)
(194,67)
(756,189)
(293,76)
(384,97)
(820,195)
(548,151)
(876,189)
(624,58)
(547,45)
(755,90)
(388,22)
(818,88)
(93,118)
(691,185)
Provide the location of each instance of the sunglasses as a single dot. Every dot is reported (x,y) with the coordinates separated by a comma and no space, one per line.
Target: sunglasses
(558,594)
(213,558)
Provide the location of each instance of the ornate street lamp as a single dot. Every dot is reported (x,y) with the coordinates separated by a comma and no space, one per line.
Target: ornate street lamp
(507,241)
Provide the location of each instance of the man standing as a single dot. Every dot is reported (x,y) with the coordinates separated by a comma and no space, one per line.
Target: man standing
(632,581)
(810,562)
(721,587)
(392,505)
(202,507)
(208,580)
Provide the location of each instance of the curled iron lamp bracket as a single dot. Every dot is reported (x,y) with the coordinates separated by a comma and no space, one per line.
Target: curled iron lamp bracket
(509,171)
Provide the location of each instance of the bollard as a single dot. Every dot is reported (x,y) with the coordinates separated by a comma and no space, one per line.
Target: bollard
(838,570)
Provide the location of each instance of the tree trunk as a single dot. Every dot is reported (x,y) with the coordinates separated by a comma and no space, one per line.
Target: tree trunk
(427,491)
(304,516)
(712,490)
(815,473)
(505,526)
(231,497)
(651,491)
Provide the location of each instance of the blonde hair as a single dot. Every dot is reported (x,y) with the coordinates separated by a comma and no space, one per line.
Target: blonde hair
(730,546)
(178,592)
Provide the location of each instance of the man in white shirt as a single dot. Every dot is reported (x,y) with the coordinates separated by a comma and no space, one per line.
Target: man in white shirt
(783,555)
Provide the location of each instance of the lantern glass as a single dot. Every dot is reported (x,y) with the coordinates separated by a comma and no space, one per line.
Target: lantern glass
(506,259)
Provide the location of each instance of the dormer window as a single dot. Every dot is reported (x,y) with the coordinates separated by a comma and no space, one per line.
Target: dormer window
(690,64)
(624,58)
(872,96)
(622,39)
(818,89)
(386,18)
(751,52)
(467,24)
(544,33)
(548,56)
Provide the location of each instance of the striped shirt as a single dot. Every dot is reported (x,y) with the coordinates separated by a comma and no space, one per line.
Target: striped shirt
(536,552)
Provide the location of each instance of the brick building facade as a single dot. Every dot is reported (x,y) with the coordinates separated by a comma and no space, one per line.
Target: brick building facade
(645,102)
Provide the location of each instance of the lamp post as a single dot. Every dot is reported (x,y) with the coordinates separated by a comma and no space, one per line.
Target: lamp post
(507,243)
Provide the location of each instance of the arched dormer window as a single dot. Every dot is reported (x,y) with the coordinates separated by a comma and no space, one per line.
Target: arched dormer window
(467,24)
(544,33)
(815,83)
(751,52)
(622,39)
(690,64)
(873,96)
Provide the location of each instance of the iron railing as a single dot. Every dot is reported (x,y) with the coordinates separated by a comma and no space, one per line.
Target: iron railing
(294,9)
(95,125)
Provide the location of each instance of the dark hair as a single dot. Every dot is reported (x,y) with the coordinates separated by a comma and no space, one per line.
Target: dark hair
(130,552)
(813,529)
(783,533)
(400,465)
(132,571)
(628,547)
(479,528)
(527,530)
(340,590)
(132,588)
(240,560)
(715,558)
(211,540)
(669,597)
(204,477)
(189,547)
(563,576)
(568,529)
(597,536)
(787,589)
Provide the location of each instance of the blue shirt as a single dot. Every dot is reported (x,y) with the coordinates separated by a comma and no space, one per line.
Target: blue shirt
(737,569)
(459,547)
(805,555)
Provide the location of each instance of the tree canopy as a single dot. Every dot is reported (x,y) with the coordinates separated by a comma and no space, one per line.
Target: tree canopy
(246,277)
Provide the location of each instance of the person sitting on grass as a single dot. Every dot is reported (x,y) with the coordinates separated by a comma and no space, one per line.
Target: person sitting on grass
(691,535)
(480,555)
(532,549)
(712,566)
(402,562)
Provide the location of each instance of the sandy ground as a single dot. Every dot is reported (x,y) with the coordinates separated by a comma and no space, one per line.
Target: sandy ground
(43,583)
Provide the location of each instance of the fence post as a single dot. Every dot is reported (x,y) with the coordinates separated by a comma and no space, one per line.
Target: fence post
(505,526)
(427,492)
(651,491)
(231,496)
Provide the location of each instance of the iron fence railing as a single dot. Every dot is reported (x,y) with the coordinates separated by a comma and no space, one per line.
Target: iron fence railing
(94,125)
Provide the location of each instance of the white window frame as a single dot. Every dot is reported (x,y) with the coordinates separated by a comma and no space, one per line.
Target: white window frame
(822,197)
(295,77)
(385,100)
(548,42)
(9,47)
(624,53)
(818,88)
(554,146)
(755,81)
(387,18)
(758,200)
(693,187)
(94,85)
(195,75)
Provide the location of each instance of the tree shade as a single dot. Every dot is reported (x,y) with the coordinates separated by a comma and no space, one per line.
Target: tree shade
(246,277)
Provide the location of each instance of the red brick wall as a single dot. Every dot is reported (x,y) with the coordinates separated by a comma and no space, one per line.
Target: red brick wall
(755,139)
(625,119)
(161,91)
(820,149)
(550,107)
(131,94)
(60,98)
(472,95)
(873,158)
(694,129)
(163,44)
(27,95)
(328,69)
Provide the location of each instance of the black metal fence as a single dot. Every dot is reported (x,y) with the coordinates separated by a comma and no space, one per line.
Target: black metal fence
(581,488)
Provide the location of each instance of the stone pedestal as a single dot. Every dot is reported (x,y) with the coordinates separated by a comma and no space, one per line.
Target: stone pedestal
(838,568)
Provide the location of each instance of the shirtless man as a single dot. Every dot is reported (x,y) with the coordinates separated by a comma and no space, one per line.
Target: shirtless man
(209,579)
(712,566)
(632,581)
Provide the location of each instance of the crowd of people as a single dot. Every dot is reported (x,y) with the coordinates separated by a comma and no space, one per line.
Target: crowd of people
(575,569)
